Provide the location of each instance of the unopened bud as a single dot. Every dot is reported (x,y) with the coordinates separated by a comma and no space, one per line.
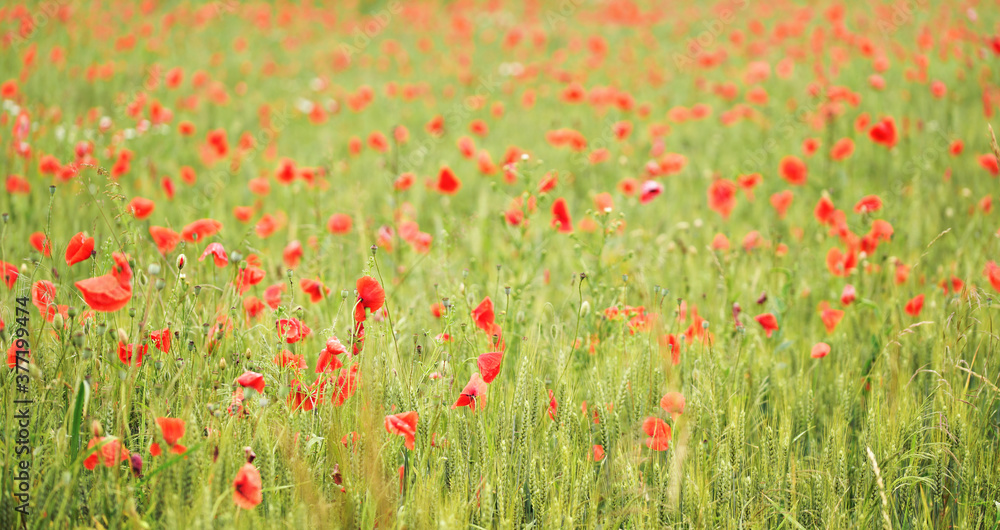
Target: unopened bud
(181,261)
(122,335)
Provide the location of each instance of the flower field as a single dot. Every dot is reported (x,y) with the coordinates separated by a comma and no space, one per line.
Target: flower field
(494,264)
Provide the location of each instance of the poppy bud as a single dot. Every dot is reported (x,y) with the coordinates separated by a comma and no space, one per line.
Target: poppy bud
(344,294)
(507,290)
(131,312)
(136,464)
(222,363)
(181,261)
(52,190)
(95,427)
(235,256)
(57,321)
(153,269)
(289,272)
(585,308)
(78,339)
(248,354)
(122,335)
(159,284)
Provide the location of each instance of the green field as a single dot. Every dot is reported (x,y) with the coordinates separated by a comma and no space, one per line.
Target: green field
(494,264)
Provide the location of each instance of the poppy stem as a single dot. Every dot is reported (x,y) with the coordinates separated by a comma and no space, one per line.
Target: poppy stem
(392,330)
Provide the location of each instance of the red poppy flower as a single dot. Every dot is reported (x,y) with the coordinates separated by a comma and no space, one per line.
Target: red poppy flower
(722,197)
(41,243)
(447,182)
(9,272)
(830,317)
(301,397)
(131,354)
(172,430)
(161,339)
(202,229)
(992,273)
(339,223)
(80,248)
(483,314)
(870,203)
(328,358)
(404,425)
(217,252)
(285,358)
(248,277)
(915,305)
(43,295)
(824,211)
(781,201)
(673,403)
(841,263)
(650,190)
(472,394)
(404,181)
(141,208)
(371,297)
(793,170)
(110,292)
(598,452)
(489,365)
(347,384)
(247,487)
(292,329)
(848,295)
(768,322)
(842,150)
(292,254)
(272,295)
(553,406)
(12,354)
(820,350)
(658,432)
(884,132)
(560,216)
(164,238)
(109,452)
(315,289)
(252,380)
(989,163)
